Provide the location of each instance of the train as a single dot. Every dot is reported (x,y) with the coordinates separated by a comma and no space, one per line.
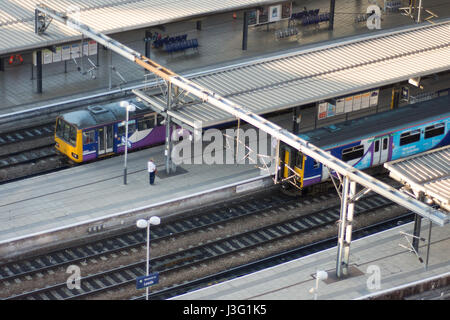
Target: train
(99,131)
(370,141)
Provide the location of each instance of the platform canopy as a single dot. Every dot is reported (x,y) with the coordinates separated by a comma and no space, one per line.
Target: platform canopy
(311,74)
(427,175)
(106,16)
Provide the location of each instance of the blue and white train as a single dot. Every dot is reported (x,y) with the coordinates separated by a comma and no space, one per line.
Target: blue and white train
(371,141)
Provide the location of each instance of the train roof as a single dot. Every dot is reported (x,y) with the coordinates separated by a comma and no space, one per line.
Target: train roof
(377,124)
(102,114)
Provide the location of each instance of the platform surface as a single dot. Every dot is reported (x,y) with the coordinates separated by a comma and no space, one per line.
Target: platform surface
(96,190)
(293,280)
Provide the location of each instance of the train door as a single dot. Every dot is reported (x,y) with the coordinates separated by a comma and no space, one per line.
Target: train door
(105,139)
(380,150)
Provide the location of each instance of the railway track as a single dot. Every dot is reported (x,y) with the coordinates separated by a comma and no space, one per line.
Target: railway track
(273,260)
(29,156)
(211,250)
(26,134)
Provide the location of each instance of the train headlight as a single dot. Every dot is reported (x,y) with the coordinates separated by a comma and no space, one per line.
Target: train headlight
(74,155)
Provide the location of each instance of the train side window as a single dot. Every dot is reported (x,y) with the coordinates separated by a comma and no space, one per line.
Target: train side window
(159,119)
(377,146)
(409,137)
(146,123)
(316,164)
(59,128)
(434,130)
(88,137)
(299,161)
(385,143)
(352,153)
(73,135)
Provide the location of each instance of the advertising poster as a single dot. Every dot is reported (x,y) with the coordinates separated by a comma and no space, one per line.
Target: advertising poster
(322,110)
(92,47)
(374,98)
(65,54)
(348,104)
(340,104)
(263,15)
(252,17)
(275,13)
(85,48)
(57,55)
(47,56)
(356,102)
(365,98)
(331,110)
(75,50)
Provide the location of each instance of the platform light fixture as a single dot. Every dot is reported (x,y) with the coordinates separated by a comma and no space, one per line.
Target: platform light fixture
(142,223)
(129,107)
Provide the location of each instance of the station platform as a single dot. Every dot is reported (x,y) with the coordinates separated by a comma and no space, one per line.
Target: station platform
(220,40)
(379,254)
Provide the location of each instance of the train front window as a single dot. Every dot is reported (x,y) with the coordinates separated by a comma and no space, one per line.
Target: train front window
(59,128)
(72,135)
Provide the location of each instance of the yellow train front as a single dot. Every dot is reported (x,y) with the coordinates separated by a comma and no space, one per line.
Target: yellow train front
(68,140)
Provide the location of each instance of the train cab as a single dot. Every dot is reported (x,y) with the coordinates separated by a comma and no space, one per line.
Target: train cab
(291,166)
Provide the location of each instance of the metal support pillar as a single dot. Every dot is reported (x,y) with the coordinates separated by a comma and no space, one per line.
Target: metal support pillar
(148,42)
(110,67)
(245,32)
(2,64)
(168,147)
(332,6)
(428,245)
(97,63)
(417,225)
(39,71)
(296,119)
(419,12)
(199,25)
(345,227)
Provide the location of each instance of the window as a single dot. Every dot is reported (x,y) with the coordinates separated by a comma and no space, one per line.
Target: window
(409,137)
(299,161)
(159,119)
(377,146)
(73,135)
(88,137)
(66,131)
(385,143)
(316,164)
(352,153)
(121,128)
(59,128)
(146,123)
(434,130)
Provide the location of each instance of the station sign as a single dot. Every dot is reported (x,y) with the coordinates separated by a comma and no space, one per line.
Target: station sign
(147,281)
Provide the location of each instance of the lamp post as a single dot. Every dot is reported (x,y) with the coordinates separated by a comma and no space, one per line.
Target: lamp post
(142,223)
(129,107)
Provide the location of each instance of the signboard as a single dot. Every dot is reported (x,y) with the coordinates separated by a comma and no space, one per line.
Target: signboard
(331,110)
(374,98)
(47,56)
(340,104)
(75,50)
(85,48)
(57,55)
(356,102)
(65,54)
(322,110)
(147,281)
(92,47)
(348,104)
(365,98)
(275,13)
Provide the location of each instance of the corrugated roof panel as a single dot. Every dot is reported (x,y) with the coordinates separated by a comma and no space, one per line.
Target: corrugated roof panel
(428,172)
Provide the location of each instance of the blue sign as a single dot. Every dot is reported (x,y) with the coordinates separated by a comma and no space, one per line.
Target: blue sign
(129,142)
(147,281)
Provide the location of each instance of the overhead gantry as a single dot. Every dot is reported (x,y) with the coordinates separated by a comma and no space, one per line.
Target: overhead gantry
(349,176)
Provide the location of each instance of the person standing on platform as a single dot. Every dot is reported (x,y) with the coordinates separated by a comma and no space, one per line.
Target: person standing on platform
(151,168)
